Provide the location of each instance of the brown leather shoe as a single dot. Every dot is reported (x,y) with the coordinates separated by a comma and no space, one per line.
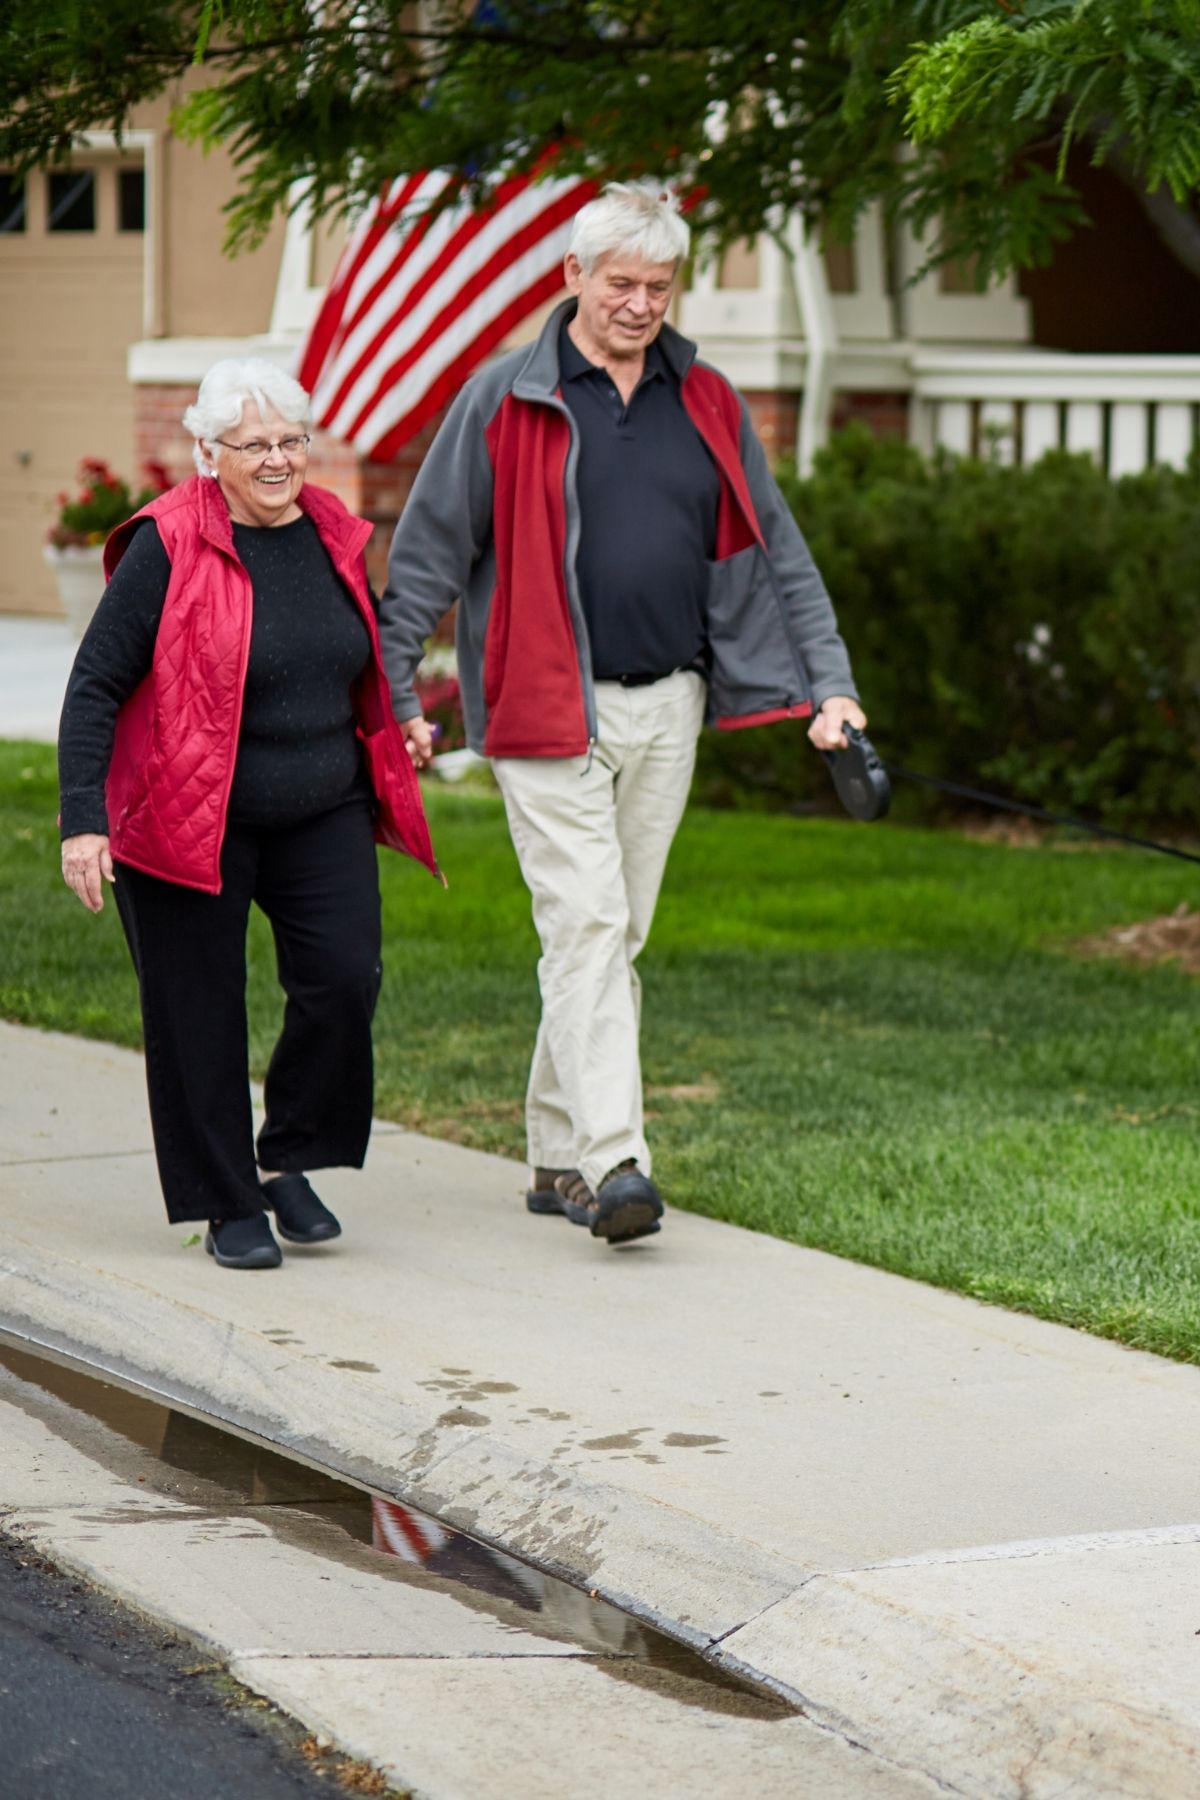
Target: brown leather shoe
(543,1197)
(626,1205)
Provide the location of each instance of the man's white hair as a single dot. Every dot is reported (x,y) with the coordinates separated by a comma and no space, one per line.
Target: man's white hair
(636,218)
(224,393)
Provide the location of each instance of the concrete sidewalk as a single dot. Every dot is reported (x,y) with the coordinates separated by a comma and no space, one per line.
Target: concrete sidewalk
(961,1539)
(35,660)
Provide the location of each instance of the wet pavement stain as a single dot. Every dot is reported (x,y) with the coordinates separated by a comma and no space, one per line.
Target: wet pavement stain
(470,1391)
(461,1415)
(619,1440)
(218,1485)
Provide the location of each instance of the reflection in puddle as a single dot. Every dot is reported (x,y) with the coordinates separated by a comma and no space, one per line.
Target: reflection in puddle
(190,1461)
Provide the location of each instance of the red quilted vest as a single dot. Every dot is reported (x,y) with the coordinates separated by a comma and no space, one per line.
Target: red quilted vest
(177,734)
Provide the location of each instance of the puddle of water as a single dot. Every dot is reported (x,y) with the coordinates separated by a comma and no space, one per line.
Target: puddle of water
(218,1472)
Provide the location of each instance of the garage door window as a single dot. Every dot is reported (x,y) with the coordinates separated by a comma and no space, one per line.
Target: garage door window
(131,199)
(12,202)
(71,200)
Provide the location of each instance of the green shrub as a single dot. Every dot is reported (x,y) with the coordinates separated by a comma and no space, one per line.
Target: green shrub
(1032,630)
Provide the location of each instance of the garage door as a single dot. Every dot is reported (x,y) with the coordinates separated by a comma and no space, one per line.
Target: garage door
(71,257)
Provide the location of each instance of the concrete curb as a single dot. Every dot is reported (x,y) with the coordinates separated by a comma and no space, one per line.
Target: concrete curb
(926,1663)
(594,1534)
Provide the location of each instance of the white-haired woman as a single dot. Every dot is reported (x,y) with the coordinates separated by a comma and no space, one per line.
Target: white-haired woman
(227,739)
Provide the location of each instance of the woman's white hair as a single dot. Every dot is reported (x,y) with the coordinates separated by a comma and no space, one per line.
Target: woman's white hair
(223,396)
(635,218)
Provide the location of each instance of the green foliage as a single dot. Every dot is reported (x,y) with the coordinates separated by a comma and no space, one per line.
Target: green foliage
(1036,630)
(1123,71)
(763,107)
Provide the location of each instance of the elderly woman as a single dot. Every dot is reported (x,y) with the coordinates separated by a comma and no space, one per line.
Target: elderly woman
(227,737)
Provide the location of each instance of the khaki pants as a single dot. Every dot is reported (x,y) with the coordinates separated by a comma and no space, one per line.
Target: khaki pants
(592,841)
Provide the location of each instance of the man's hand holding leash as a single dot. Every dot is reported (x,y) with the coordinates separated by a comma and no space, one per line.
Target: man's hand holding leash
(827,731)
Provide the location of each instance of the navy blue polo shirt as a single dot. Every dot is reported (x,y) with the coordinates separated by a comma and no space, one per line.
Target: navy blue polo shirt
(648,494)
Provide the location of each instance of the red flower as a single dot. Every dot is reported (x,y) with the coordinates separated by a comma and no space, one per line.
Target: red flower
(103,502)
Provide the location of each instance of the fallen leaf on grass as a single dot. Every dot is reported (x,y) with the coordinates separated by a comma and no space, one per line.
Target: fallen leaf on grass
(1149,1118)
(361,1778)
(693,1090)
(1173,938)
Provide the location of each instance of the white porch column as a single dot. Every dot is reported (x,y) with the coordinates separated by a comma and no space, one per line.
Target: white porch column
(820,330)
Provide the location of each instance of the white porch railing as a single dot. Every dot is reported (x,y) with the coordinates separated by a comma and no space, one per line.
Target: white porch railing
(1126,411)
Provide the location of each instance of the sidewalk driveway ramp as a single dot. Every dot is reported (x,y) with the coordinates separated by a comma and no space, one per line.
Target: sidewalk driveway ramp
(961,1544)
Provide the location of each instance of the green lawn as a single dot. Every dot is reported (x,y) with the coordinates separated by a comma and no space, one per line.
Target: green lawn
(869,1039)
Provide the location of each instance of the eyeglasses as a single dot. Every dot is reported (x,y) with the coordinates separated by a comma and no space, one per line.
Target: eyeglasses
(258,449)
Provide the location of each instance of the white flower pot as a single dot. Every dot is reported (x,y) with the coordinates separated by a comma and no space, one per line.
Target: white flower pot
(79,572)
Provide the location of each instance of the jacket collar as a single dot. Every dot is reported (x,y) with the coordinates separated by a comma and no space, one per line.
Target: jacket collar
(215,522)
(340,529)
(538,376)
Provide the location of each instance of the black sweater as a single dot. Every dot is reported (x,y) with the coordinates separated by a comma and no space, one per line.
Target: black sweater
(297,752)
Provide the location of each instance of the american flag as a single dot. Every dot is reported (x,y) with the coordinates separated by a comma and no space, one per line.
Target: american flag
(417,300)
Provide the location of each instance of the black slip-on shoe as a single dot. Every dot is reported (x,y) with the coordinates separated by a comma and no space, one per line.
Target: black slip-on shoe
(243,1243)
(543,1196)
(626,1205)
(303,1217)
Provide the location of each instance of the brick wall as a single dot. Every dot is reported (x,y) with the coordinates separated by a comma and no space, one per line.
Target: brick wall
(158,435)
(885,414)
(775,417)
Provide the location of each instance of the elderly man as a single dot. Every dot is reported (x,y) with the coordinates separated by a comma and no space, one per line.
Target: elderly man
(624,564)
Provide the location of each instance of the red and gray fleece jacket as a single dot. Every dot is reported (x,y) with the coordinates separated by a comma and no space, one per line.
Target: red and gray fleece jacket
(493,522)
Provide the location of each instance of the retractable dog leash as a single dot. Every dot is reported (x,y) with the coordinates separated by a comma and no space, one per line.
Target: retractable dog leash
(863,781)
(859,778)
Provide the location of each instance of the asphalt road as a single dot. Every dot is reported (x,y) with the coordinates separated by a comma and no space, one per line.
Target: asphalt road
(98,1704)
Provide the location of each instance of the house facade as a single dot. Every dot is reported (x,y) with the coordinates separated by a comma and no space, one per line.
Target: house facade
(117,298)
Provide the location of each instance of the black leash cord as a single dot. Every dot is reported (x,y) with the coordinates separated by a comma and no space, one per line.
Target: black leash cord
(1037,812)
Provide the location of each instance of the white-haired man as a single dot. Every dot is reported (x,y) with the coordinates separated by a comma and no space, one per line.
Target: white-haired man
(624,564)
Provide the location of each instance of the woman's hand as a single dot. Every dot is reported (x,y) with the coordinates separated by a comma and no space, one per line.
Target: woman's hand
(418,734)
(85,859)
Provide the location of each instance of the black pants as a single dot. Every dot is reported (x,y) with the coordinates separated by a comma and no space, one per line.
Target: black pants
(318,884)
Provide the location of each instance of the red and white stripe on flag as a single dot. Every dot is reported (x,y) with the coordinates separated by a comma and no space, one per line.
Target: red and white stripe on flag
(399,1532)
(417,301)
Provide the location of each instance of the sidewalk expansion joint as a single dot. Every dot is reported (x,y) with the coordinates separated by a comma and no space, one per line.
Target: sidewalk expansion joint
(1022,1549)
(431,1656)
(780,1600)
(91,1156)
